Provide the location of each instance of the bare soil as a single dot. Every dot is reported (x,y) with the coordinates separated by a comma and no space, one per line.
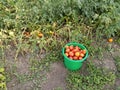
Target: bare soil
(56,78)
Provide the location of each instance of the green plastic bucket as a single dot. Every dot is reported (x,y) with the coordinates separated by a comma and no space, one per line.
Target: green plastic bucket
(74,64)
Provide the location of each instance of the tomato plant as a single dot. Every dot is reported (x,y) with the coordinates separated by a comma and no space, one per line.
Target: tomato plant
(2,80)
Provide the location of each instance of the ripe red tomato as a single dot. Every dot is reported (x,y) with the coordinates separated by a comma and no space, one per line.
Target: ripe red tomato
(71,58)
(66,47)
(40,35)
(77,54)
(80,58)
(76,47)
(67,50)
(71,47)
(71,54)
(81,54)
(75,50)
(75,58)
(110,40)
(83,51)
(67,54)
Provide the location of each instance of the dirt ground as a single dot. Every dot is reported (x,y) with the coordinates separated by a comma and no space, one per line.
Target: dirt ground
(56,76)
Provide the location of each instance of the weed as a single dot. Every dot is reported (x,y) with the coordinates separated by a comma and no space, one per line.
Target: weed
(118,88)
(10,73)
(94,80)
(117,62)
(58,88)
(2,80)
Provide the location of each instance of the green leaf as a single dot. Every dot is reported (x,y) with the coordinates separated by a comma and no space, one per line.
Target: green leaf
(2,70)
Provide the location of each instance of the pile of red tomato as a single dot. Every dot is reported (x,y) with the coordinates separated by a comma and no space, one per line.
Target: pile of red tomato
(74,52)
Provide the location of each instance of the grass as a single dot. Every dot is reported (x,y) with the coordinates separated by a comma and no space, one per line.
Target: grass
(118,88)
(117,61)
(2,79)
(58,88)
(94,78)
